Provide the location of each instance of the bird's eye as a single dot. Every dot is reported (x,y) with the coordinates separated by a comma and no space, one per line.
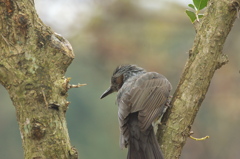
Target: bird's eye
(113,80)
(126,76)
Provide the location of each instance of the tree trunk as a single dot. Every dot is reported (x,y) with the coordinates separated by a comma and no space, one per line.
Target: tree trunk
(205,58)
(33,61)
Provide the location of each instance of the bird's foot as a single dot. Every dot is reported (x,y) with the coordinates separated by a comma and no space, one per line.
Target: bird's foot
(168,101)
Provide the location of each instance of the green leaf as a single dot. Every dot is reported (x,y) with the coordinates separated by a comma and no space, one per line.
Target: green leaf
(191,6)
(191,15)
(200,4)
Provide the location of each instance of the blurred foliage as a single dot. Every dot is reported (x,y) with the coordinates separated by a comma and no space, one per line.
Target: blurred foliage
(121,32)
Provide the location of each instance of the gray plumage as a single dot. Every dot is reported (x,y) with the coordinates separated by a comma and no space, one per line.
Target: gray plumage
(141,99)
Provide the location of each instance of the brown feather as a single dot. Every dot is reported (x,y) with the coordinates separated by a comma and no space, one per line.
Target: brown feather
(145,95)
(141,99)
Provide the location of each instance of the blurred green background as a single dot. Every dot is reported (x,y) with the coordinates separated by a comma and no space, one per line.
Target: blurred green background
(153,34)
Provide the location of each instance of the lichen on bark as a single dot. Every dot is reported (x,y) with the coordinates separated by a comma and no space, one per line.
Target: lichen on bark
(33,61)
(204,59)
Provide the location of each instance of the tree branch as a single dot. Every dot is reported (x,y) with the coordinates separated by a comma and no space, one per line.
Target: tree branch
(204,59)
(33,61)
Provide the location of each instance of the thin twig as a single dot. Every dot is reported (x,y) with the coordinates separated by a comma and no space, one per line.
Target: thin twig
(199,139)
(75,86)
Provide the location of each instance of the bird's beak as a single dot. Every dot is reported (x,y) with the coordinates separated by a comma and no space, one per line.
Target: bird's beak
(107,92)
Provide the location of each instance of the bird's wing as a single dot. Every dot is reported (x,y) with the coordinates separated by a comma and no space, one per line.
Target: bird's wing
(124,109)
(147,95)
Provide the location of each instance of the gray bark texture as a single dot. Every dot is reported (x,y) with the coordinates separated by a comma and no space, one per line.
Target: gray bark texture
(205,58)
(33,61)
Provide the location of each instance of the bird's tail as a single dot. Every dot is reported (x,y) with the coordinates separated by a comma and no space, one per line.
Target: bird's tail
(143,145)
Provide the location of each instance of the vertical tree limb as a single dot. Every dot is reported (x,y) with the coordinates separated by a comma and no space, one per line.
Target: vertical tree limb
(205,58)
(33,61)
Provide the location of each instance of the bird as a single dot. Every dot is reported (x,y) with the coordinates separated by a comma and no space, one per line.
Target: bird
(142,98)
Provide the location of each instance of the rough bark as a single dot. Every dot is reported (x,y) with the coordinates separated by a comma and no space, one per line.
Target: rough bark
(33,60)
(205,58)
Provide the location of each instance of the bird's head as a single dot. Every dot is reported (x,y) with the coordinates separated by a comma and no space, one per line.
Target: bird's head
(120,75)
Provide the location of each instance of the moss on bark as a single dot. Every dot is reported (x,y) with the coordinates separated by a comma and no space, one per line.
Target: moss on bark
(33,61)
(205,58)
